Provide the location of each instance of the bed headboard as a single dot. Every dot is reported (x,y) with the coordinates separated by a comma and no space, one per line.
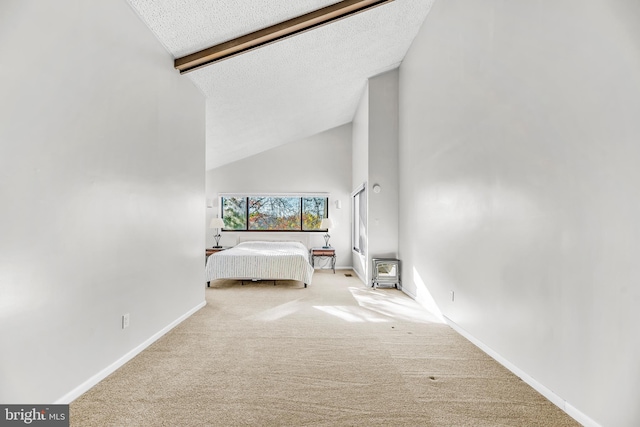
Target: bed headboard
(272,236)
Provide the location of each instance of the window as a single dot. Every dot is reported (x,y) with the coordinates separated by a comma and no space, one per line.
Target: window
(359,223)
(274,213)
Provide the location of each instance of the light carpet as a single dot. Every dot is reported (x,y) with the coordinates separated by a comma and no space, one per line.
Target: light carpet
(334,354)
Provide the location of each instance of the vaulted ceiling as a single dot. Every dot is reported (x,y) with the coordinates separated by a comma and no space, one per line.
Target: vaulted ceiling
(289,89)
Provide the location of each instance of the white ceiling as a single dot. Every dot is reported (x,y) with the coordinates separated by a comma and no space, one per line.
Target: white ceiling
(290,89)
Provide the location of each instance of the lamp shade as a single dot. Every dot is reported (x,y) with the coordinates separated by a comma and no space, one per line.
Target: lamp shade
(216,223)
(326,223)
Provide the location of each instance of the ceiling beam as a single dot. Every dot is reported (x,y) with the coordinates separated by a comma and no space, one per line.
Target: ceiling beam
(274,33)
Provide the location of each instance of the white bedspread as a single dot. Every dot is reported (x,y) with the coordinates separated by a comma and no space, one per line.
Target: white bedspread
(261,260)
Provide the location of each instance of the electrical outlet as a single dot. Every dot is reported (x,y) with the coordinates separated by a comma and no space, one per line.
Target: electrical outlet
(453,295)
(125,321)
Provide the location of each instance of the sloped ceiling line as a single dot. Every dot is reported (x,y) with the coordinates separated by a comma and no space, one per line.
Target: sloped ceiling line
(286,91)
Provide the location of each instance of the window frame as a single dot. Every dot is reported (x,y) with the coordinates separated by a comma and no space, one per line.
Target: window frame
(300,196)
(359,217)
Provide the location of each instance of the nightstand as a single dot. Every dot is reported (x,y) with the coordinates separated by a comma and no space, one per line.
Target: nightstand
(211,251)
(324,253)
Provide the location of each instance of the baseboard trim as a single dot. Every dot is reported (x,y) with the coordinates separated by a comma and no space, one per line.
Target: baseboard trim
(337,268)
(579,416)
(572,411)
(88,384)
(359,276)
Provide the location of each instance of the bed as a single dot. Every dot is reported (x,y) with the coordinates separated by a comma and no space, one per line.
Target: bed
(261,260)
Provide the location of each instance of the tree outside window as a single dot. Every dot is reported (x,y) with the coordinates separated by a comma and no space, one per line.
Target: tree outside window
(274,213)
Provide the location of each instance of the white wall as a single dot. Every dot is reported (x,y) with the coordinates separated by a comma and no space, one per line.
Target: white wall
(320,163)
(102,188)
(519,173)
(375,161)
(383,165)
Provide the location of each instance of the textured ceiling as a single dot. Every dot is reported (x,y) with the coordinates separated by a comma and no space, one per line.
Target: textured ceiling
(287,90)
